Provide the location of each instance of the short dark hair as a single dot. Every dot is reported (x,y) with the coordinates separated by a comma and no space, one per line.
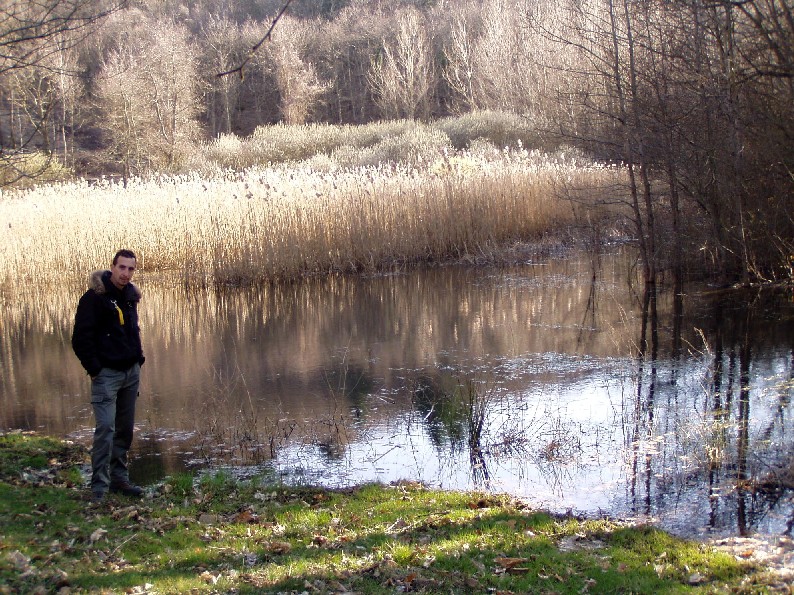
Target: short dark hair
(124,254)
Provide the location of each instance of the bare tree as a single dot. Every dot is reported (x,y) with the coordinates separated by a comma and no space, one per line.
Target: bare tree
(298,82)
(459,70)
(222,50)
(404,74)
(499,55)
(32,30)
(34,35)
(695,100)
(240,68)
(148,93)
(351,40)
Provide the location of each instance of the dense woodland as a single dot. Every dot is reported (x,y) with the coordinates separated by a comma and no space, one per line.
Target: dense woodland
(694,98)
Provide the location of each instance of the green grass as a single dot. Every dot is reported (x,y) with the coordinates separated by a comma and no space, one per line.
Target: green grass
(218,535)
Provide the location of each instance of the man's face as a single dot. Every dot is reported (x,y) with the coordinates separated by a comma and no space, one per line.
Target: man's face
(121,272)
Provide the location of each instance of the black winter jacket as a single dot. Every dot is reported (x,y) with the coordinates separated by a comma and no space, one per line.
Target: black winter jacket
(106,332)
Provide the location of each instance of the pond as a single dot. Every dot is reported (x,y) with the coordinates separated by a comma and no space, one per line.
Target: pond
(559,381)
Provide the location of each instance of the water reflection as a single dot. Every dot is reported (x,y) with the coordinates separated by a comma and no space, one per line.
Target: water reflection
(709,430)
(553,380)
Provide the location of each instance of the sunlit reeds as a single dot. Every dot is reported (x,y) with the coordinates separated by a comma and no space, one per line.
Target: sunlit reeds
(287,221)
(331,146)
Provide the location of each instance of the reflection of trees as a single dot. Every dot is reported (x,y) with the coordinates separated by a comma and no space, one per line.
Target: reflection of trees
(735,393)
(441,402)
(644,404)
(248,435)
(349,386)
(716,442)
(742,433)
(721,441)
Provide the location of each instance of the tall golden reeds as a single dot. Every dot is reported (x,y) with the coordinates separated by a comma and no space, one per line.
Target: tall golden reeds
(286,221)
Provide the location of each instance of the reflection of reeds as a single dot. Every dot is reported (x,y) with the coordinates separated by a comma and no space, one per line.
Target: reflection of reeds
(235,434)
(288,221)
(226,434)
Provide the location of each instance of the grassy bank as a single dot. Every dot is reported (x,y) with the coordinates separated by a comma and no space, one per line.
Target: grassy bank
(216,535)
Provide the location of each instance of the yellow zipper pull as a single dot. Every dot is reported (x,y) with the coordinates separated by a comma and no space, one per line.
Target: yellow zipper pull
(121,314)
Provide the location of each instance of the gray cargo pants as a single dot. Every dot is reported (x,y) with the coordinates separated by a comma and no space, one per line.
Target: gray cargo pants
(113,396)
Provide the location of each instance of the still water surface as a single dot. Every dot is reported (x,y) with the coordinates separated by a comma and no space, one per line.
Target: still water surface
(558,381)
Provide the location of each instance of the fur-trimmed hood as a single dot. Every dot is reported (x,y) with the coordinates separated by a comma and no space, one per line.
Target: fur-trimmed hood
(97,284)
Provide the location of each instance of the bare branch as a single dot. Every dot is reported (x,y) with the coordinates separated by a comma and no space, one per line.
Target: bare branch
(29,32)
(252,51)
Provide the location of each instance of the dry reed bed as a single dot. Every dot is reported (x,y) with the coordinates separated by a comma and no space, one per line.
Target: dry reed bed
(283,222)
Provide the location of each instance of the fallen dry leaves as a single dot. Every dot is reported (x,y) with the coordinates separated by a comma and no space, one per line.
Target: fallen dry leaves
(511,565)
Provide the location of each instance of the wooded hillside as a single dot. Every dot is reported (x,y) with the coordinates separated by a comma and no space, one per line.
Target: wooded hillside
(694,97)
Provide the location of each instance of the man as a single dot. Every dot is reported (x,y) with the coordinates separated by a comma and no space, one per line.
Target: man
(107,340)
